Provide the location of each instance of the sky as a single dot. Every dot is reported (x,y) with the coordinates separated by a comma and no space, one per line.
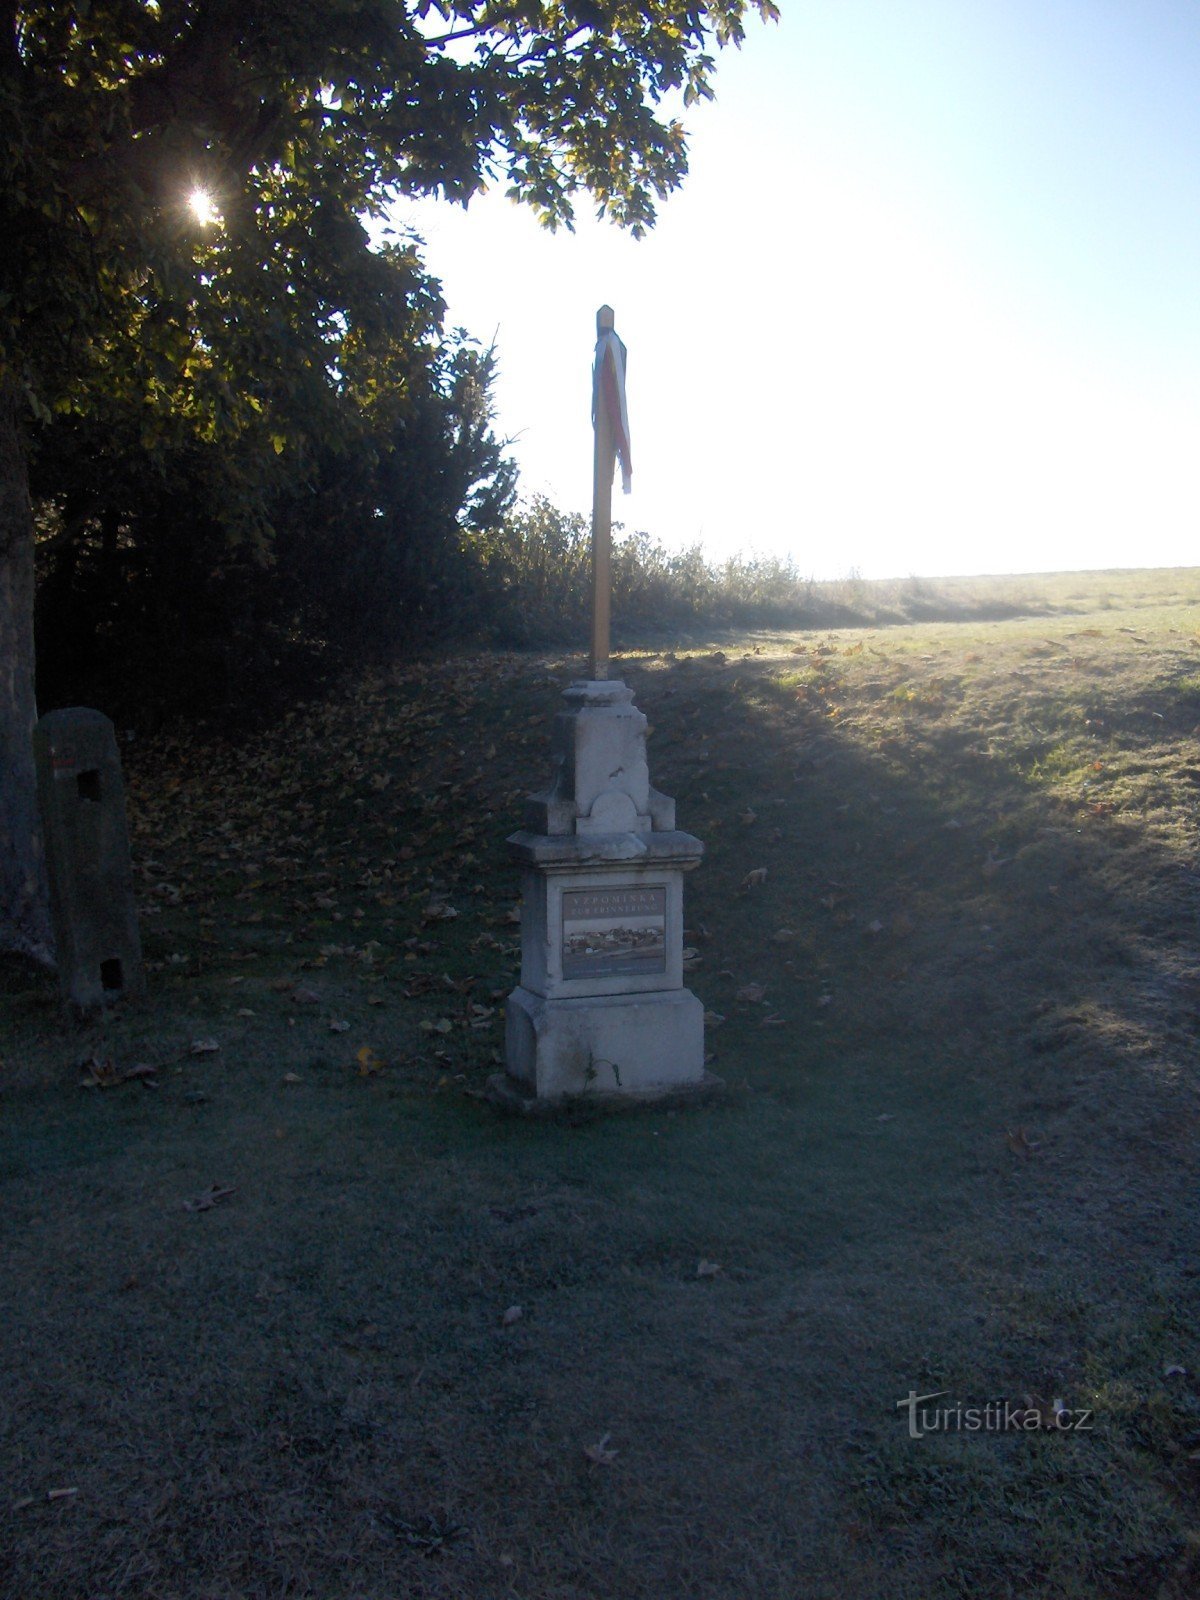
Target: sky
(927,303)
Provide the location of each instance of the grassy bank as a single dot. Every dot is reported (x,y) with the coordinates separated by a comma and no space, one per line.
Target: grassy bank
(417,1349)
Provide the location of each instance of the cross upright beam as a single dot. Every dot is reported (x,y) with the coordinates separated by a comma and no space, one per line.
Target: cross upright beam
(603,462)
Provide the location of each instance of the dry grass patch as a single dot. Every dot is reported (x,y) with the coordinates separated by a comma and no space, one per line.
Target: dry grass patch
(946,934)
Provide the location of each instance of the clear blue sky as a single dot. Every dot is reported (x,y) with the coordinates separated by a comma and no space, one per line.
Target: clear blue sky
(929,301)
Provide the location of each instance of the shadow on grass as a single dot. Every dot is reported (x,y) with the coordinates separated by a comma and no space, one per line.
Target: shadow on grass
(1016,975)
(954,1157)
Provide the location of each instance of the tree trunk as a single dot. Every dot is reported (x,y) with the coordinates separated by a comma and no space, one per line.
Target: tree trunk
(24,903)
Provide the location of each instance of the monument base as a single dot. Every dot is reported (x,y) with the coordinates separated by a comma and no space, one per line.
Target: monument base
(506,1094)
(642,1045)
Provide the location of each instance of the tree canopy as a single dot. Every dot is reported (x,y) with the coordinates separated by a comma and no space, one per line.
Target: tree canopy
(209,368)
(298,121)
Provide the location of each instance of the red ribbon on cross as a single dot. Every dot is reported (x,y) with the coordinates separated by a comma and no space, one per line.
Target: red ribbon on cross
(608,391)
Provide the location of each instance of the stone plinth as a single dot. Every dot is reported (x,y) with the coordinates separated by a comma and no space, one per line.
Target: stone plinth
(645,1045)
(601,1008)
(81,797)
(601,782)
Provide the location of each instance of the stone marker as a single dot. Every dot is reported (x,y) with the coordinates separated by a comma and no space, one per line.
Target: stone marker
(82,801)
(601,1008)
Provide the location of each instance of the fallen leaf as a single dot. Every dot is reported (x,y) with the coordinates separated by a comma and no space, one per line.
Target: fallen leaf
(747,817)
(61,1494)
(513,1314)
(713,1019)
(755,877)
(212,1196)
(708,1269)
(599,1453)
(438,911)
(368,1062)
(336,1025)
(292,1077)
(203,1047)
(1172,1369)
(751,993)
(784,935)
(306,997)
(100,1074)
(1020,1143)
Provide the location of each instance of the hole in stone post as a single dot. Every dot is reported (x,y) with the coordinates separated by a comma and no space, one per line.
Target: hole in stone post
(110,976)
(89,785)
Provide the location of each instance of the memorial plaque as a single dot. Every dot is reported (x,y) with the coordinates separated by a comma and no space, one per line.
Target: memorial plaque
(613,933)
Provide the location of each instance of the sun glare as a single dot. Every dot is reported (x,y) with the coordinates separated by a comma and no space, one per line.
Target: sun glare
(200,204)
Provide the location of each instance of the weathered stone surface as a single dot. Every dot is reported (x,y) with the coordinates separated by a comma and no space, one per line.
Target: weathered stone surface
(601,782)
(601,1008)
(613,812)
(569,852)
(81,795)
(509,1094)
(645,1044)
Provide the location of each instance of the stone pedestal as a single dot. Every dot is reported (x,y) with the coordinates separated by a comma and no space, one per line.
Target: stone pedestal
(81,796)
(601,1008)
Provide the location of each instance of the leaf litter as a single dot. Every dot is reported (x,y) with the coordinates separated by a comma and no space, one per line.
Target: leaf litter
(407,885)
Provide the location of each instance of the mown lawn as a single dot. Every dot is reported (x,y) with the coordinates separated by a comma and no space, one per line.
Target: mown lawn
(419,1349)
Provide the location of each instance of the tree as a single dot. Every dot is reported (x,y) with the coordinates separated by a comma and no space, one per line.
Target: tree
(152,599)
(294,122)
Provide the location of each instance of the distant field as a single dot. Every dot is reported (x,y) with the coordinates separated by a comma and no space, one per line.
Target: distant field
(866,602)
(958,1020)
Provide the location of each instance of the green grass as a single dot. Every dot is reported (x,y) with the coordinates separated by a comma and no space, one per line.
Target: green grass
(957,1150)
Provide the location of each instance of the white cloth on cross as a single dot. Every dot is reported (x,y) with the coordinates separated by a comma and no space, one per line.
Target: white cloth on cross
(608,390)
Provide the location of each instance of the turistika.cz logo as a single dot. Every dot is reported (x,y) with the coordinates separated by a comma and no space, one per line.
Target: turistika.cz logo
(995,1416)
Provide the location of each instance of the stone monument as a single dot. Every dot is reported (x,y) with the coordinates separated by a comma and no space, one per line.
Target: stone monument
(601,1008)
(81,797)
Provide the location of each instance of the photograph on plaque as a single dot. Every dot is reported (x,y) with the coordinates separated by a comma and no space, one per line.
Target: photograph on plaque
(613,933)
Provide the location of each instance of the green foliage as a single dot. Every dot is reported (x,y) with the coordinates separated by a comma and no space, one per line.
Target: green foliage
(251,439)
(535,570)
(150,603)
(297,121)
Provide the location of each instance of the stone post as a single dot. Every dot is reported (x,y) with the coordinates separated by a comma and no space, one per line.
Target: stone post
(601,1008)
(81,797)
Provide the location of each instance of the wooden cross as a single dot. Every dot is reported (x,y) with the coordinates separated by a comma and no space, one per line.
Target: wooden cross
(603,463)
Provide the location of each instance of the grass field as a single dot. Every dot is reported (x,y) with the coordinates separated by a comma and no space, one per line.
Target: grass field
(408,1347)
